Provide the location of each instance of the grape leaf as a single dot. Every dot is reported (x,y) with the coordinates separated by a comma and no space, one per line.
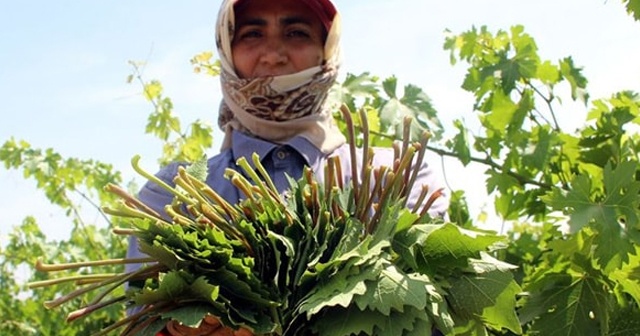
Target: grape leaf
(570,306)
(172,285)
(625,322)
(353,321)
(548,73)
(575,78)
(460,143)
(410,320)
(633,8)
(628,277)
(428,247)
(490,294)
(394,290)
(617,204)
(339,289)
(191,315)
(199,169)
(415,104)
(503,110)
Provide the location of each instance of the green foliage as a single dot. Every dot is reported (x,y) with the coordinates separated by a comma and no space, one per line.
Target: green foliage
(56,176)
(572,196)
(22,308)
(385,109)
(633,8)
(66,183)
(189,144)
(585,182)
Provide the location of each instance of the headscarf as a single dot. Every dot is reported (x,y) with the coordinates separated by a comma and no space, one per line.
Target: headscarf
(278,108)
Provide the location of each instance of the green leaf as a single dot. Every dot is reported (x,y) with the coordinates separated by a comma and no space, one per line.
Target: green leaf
(548,73)
(576,79)
(171,286)
(152,90)
(612,214)
(543,140)
(394,290)
(625,321)
(354,88)
(390,86)
(414,104)
(191,315)
(353,321)
(490,294)
(460,143)
(425,114)
(441,248)
(199,169)
(633,8)
(347,322)
(339,289)
(502,111)
(569,307)
(628,277)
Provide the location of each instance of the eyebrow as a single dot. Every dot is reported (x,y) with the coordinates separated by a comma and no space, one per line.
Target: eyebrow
(289,20)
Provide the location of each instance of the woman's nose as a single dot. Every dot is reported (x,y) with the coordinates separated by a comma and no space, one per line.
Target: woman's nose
(274,52)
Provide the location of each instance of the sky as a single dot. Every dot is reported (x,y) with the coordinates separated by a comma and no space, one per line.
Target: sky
(63,69)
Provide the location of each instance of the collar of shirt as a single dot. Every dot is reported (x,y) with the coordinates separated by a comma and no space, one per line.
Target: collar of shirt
(244,145)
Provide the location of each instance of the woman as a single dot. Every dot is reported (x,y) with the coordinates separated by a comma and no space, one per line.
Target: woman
(279,59)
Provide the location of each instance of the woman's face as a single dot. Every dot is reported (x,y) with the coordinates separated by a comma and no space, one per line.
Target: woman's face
(274,38)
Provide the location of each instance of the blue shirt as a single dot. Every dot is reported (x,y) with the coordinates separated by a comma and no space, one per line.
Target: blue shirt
(279,160)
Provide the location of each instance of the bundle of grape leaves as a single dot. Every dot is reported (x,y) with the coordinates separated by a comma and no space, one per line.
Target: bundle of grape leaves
(326,258)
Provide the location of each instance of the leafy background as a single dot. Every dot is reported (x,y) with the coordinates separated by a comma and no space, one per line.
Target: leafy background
(65,65)
(571,195)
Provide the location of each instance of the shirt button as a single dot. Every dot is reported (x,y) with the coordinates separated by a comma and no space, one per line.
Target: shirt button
(281,155)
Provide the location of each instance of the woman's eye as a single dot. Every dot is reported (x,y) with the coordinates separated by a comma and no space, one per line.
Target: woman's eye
(249,34)
(298,33)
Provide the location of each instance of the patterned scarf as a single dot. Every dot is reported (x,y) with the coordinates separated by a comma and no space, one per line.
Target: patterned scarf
(281,107)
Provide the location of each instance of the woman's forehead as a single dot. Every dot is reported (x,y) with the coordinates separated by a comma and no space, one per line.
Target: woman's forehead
(323,10)
(251,7)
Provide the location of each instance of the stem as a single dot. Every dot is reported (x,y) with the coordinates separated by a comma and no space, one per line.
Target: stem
(184,181)
(265,176)
(548,101)
(135,163)
(91,278)
(124,231)
(116,279)
(229,210)
(42,267)
(521,179)
(443,153)
(125,210)
(264,191)
(133,318)
(422,150)
(379,175)
(437,194)
(123,194)
(90,309)
(352,147)
(365,142)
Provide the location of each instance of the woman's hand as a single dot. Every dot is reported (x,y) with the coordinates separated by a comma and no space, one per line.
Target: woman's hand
(210,326)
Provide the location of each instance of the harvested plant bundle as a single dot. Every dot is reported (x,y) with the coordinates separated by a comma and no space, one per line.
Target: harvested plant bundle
(330,258)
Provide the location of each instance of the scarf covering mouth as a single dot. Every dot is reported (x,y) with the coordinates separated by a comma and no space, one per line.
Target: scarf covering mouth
(278,108)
